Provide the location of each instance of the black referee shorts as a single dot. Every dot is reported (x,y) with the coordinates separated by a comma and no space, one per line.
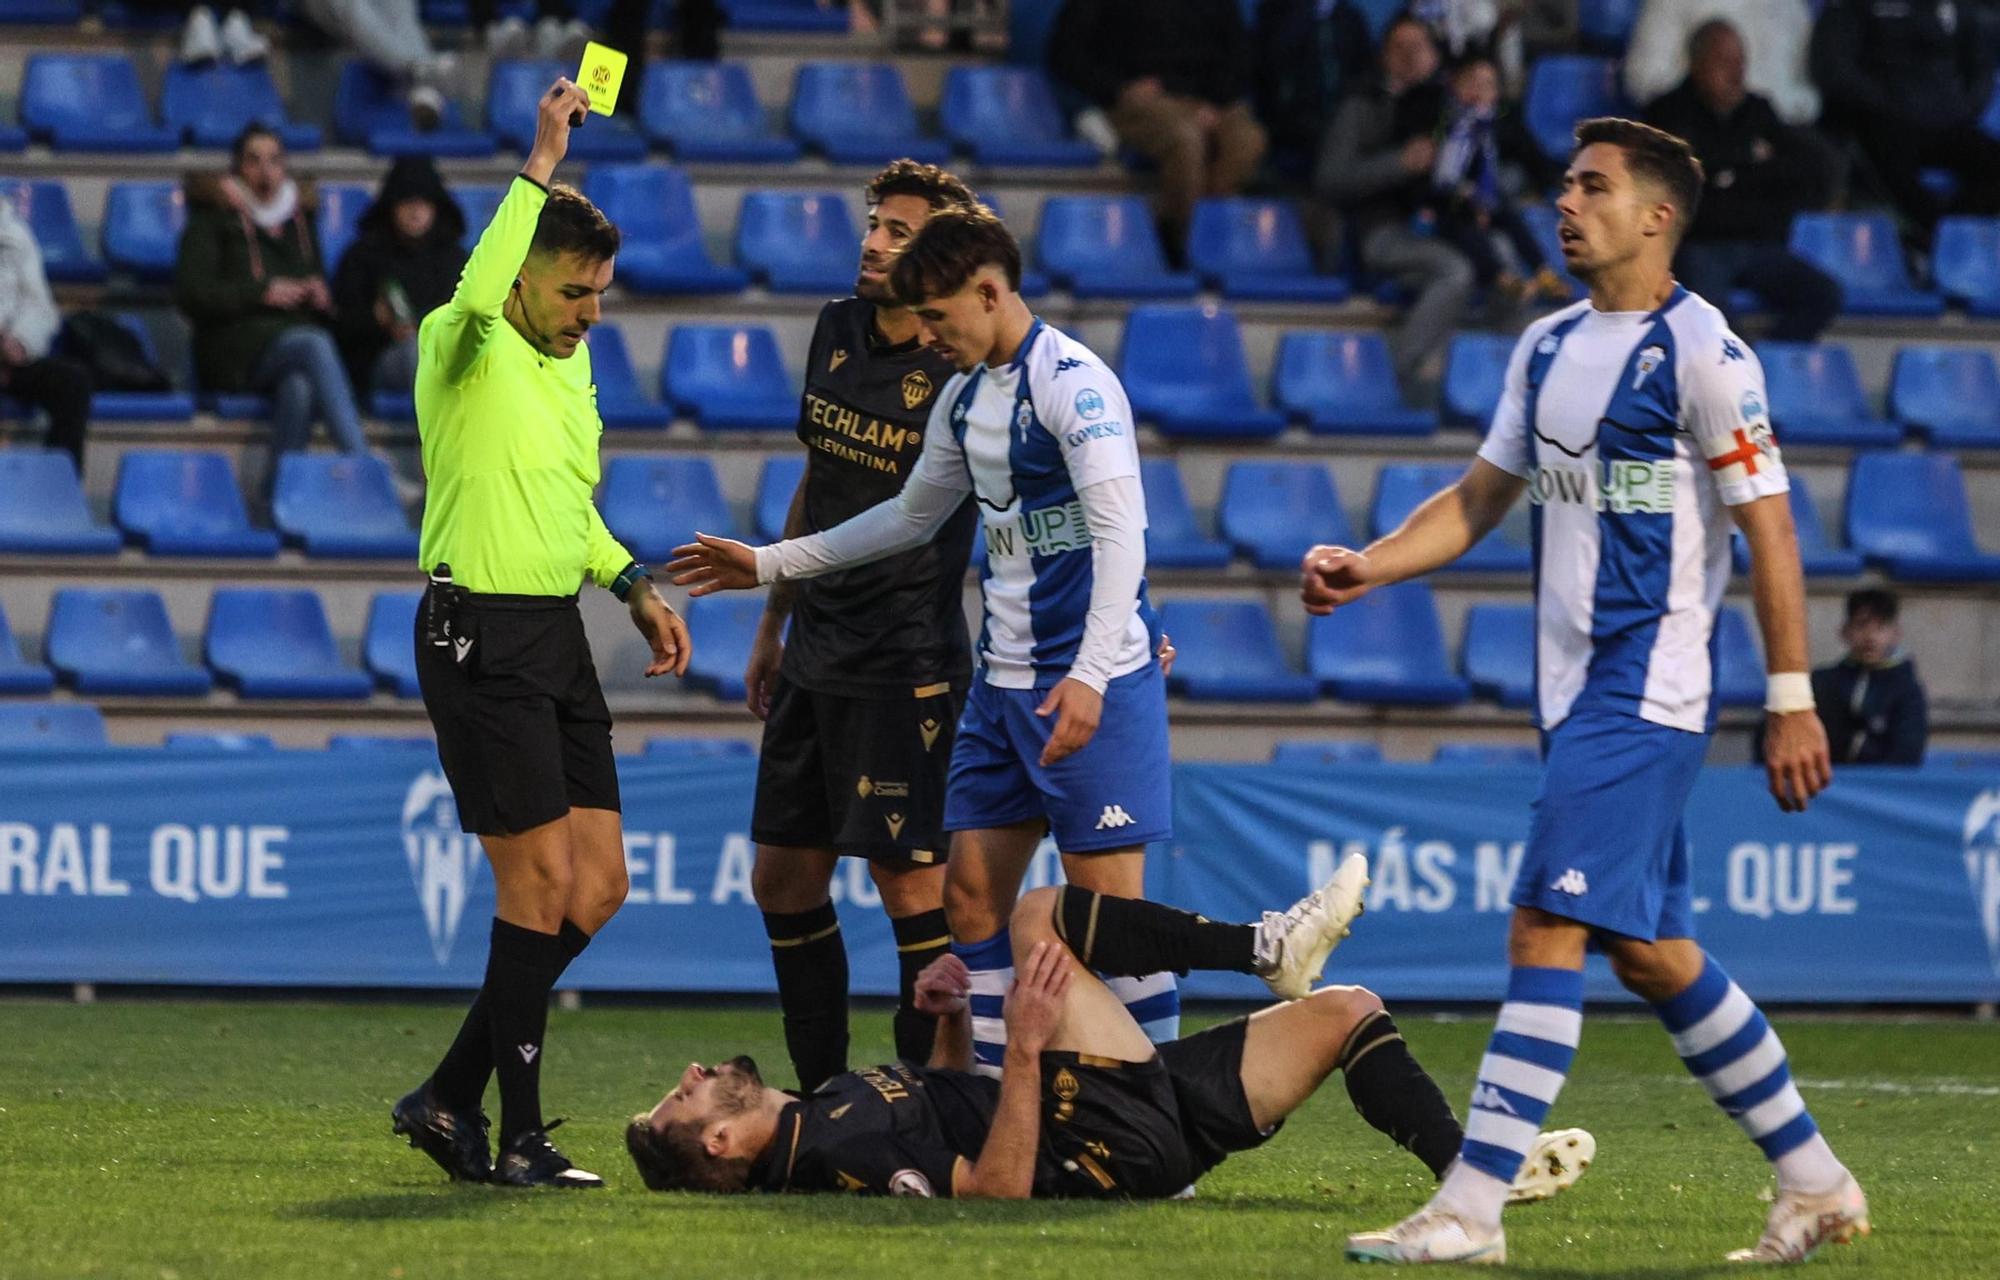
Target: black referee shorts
(864,777)
(522,729)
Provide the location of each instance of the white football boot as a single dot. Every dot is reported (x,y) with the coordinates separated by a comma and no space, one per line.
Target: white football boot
(1431,1234)
(1292,946)
(1554,1163)
(1799,1224)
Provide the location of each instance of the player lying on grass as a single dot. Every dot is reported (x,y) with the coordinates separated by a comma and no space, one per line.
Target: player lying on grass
(1085,1106)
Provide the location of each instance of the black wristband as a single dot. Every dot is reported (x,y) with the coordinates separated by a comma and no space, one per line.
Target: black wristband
(629,577)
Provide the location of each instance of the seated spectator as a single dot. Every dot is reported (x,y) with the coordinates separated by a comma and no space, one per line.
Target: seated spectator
(1487,27)
(1306,56)
(1759,173)
(204,40)
(1466,205)
(403,264)
(1375,164)
(28,323)
(557,33)
(1871,701)
(249,280)
(389,35)
(1909,82)
(1776,34)
(1175,77)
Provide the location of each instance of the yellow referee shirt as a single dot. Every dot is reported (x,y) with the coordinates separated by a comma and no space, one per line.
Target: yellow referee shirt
(509,435)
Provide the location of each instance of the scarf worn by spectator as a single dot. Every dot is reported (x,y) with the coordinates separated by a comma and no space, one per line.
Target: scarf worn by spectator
(269,216)
(1468,161)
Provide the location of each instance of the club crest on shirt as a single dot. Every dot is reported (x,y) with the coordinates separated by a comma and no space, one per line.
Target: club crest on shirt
(1089,404)
(1649,359)
(917,388)
(1547,346)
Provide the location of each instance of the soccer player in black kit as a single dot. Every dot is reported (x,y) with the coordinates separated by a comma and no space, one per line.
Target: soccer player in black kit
(861,699)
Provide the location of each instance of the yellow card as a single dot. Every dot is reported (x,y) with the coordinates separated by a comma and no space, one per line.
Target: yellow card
(603,71)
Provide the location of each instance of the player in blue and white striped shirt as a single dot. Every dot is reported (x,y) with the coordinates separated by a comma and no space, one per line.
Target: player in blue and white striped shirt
(1637,424)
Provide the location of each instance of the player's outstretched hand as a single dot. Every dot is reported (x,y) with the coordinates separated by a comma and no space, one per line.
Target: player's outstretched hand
(1035,1002)
(1796,758)
(560,109)
(1077,708)
(665,631)
(1166,654)
(1331,577)
(944,987)
(710,564)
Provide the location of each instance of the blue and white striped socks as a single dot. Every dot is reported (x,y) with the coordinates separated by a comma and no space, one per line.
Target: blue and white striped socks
(1154,1002)
(1729,1046)
(992,966)
(1528,1058)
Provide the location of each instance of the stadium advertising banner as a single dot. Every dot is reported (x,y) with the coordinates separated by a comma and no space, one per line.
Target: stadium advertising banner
(348,869)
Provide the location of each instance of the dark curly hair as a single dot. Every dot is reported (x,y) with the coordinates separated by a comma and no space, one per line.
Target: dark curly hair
(950,249)
(570,223)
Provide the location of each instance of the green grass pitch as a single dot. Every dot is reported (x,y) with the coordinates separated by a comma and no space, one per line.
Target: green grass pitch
(175,1140)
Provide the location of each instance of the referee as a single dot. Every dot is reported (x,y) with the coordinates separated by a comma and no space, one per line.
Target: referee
(860,701)
(509,427)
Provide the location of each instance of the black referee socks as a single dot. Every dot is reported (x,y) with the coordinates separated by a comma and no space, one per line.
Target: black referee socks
(920,939)
(1130,937)
(520,970)
(811,962)
(1396,1095)
(460,1079)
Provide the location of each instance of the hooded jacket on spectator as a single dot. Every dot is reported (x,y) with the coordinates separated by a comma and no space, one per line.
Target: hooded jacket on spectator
(1197,48)
(27,308)
(226,262)
(427,271)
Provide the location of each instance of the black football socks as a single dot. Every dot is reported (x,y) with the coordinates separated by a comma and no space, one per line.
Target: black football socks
(1394,1094)
(459,1082)
(920,939)
(1131,937)
(810,958)
(520,971)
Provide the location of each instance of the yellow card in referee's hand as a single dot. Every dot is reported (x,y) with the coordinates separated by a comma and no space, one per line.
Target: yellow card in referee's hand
(603,71)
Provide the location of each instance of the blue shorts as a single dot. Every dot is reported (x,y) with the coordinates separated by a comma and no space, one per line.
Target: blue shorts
(1115,793)
(1606,846)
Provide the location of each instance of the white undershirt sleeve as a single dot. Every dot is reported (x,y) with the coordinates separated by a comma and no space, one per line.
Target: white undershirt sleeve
(1115,512)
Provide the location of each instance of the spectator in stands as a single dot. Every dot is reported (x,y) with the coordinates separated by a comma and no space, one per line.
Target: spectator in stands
(1909,82)
(1489,27)
(1175,77)
(557,33)
(403,264)
(204,40)
(1306,55)
(1375,164)
(1759,173)
(1776,34)
(249,278)
(389,35)
(1871,701)
(28,323)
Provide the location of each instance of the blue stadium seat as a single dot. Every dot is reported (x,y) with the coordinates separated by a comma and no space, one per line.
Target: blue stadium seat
(1322,752)
(43,510)
(776,484)
(210,105)
(1273,511)
(1229,652)
(1034,283)
(1343,384)
(727,625)
(277,644)
(708,111)
(1005,116)
(1966,262)
(17,674)
(39,726)
(795,242)
(142,228)
(1950,395)
(1817,398)
(479,201)
(170,405)
(341,505)
(45,207)
(727,377)
(1564,88)
(1173,539)
(1862,251)
(1386,647)
(90,102)
(1819,555)
(1256,250)
(1498,653)
(118,642)
(1487,755)
(395,744)
(1606,25)
(369,110)
(621,401)
(1739,667)
(13,138)
(653,505)
(663,250)
(341,205)
(513,101)
(1185,371)
(1542,219)
(1907,514)
(1475,372)
(677,748)
(219,743)
(859,113)
(186,504)
(1106,247)
(388,646)
(1401,487)
(1988,761)
(800,17)
(41,12)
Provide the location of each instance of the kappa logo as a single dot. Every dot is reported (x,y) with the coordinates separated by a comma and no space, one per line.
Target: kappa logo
(1571,882)
(917,388)
(1731,350)
(839,359)
(1114,816)
(1982,866)
(1067,363)
(444,861)
(529,1052)
(1649,359)
(1488,1098)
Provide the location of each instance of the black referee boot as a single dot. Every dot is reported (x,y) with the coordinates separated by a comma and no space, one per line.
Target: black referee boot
(455,1139)
(529,1159)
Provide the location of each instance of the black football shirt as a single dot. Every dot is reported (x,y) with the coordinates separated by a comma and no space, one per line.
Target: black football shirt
(893,1130)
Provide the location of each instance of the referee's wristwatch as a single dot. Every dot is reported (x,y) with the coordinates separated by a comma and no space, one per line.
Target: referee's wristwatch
(629,577)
